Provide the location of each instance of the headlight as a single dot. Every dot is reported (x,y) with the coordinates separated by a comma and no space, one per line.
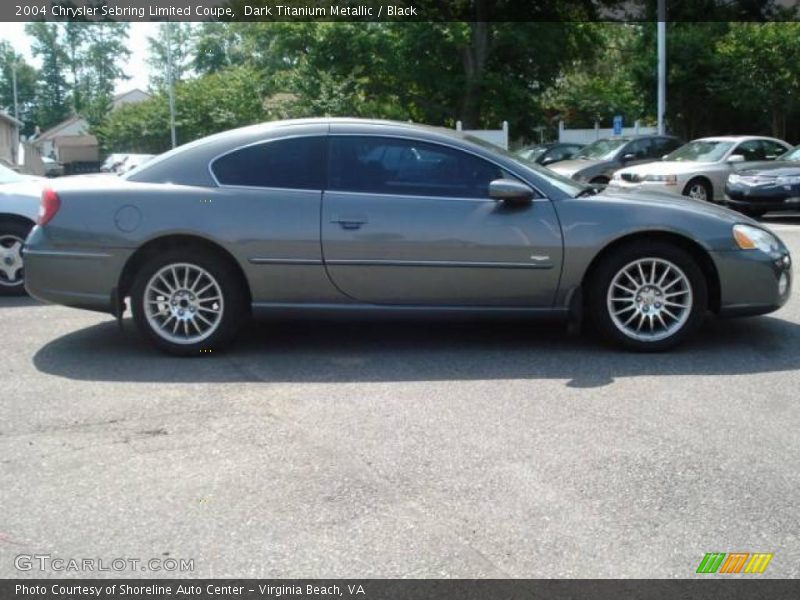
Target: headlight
(667,179)
(752,238)
(734,178)
(788,180)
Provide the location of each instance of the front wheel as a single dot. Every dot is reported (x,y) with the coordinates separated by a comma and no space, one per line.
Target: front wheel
(699,189)
(188,303)
(648,296)
(12,237)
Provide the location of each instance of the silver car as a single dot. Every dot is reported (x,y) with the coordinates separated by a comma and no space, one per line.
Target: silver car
(345,216)
(700,168)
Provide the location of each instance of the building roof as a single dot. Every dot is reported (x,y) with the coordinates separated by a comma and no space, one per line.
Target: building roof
(76,140)
(56,129)
(7,117)
(121,95)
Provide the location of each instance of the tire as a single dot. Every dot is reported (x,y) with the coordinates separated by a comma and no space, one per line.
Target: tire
(699,189)
(12,276)
(188,302)
(600,181)
(615,313)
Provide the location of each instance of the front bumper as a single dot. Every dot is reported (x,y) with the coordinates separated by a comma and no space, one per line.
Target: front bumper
(763,198)
(752,282)
(77,277)
(644,186)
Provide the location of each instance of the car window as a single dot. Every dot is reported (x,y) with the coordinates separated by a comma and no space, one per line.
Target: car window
(793,154)
(664,146)
(700,151)
(407,167)
(639,148)
(558,153)
(751,150)
(772,150)
(604,149)
(296,163)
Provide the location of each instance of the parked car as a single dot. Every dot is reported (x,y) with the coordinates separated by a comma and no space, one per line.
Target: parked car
(122,163)
(112,162)
(700,168)
(597,162)
(762,187)
(52,168)
(19,204)
(546,154)
(348,215)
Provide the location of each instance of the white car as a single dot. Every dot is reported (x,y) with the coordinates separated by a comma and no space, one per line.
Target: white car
(19,207)
(700,168)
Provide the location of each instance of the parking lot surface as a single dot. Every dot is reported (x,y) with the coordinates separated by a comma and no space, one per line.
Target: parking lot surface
(399,449)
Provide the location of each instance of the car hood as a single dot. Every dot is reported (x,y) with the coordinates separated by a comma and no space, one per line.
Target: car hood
(667,167)
(674,202)
(775,168)
(570,167)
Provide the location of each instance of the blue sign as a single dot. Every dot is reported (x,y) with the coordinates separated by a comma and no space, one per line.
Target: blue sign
(618,125)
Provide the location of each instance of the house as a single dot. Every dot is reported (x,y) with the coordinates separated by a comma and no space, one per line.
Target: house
(9,138)
(47,142)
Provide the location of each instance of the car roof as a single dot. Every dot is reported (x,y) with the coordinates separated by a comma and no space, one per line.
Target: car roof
(736,138)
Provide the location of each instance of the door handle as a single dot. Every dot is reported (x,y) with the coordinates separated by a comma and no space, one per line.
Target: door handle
(349,222)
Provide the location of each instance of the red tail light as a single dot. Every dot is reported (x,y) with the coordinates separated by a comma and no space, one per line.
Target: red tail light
(48,207)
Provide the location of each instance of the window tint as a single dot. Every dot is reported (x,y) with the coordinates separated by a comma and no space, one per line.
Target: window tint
(291,163)
(665,146)
(639,148)
(773,149)
(751,150)
(407,167)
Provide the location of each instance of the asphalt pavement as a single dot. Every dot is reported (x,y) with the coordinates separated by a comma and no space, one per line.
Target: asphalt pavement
(398,449)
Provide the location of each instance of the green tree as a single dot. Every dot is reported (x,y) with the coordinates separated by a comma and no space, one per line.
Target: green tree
(180,37)
(52,91)
(26,85)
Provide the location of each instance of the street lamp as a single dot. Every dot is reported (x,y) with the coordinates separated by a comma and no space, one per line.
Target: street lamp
(170,90)
(662,63)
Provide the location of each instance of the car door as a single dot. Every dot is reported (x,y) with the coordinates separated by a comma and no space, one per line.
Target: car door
(406,221)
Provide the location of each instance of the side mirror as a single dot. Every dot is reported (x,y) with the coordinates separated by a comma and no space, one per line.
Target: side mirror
(627,157)
(510,190)
(548,160)
(734,158)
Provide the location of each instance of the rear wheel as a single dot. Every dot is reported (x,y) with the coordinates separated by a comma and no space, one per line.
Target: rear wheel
(648,296)
(12,237)
(188,302)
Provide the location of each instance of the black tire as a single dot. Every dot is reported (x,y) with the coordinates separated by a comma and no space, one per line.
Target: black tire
(233,307)
(599,181)
(704,184)
(11,232)
(610,266)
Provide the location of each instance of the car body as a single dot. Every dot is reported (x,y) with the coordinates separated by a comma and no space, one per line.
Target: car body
(52,168)
(700,168)
(597,162)
(355,216)
(547,154)
(762,187)
(19,204)
(122,163)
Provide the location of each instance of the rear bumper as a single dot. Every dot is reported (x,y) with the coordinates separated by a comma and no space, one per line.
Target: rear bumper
(753,283)
(76,277)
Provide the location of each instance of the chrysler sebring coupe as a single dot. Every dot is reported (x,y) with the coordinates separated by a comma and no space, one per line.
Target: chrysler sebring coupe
(335,215)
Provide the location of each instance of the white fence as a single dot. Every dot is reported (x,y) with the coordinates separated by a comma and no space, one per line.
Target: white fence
(587,136)
(498,137)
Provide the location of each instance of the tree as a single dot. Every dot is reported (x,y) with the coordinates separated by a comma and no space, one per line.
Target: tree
(759,69)
(52,90)
(26,85)
(180,36)
(106,47)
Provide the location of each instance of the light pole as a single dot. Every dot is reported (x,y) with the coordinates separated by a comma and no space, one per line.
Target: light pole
(170,91)
(14,85)
(662,63)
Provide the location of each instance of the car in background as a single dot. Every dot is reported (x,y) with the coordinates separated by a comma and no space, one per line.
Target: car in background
(52,168)
(546,154)
(597,162)
(122,163)
(19,206)
(767,186)
(112,162)
(356,216)
(700,168)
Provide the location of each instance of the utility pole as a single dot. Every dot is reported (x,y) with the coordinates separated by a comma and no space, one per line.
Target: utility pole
(170,90)
(662,63)
(14,85)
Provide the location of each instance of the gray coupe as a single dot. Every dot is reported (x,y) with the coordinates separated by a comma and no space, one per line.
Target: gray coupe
(334,215)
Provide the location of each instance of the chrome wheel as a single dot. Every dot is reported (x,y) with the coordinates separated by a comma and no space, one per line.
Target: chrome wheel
(10,260)
(649,299)
(698,192)
(183,303)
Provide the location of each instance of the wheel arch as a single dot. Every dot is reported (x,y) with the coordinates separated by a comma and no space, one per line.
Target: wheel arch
(698,252)
(169,242)
(15,218)
(704,179)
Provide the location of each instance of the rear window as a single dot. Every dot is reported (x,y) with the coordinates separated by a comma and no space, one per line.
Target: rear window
(296,163)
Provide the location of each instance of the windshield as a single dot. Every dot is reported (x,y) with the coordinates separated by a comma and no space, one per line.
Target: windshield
(532,152)
(601,149)
(565,184)
(9,176)
(793,154)
(700,151)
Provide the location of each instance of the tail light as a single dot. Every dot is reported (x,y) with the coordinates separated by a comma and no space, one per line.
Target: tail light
(48,207)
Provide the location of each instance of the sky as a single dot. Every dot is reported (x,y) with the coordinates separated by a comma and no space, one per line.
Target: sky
(135,68)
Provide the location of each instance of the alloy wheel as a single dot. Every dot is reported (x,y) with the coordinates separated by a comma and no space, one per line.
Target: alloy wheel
(11,273)
(183,303)
(698,192)
(650,299)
